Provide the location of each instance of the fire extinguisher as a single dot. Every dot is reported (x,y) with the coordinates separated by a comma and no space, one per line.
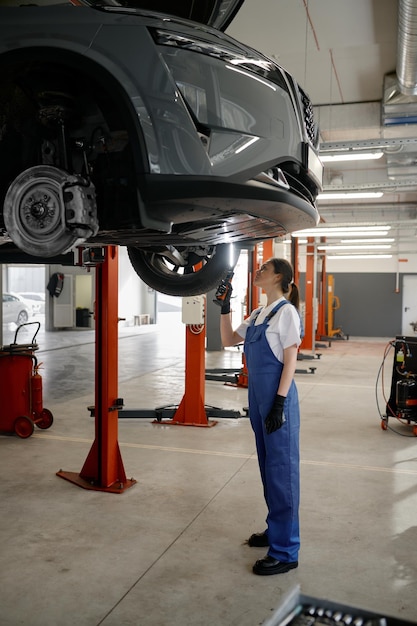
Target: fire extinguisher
(36,390)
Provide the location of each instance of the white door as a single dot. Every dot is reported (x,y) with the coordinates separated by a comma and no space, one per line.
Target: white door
(64,305)
(409,318)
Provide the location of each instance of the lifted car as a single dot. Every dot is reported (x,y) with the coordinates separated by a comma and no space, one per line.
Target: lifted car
(130,127)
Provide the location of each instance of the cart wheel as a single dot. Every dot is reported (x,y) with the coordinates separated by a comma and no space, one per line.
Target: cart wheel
(45,419)
(24,426)
(384,424)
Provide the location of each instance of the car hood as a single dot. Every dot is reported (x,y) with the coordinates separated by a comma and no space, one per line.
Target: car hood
(216,13)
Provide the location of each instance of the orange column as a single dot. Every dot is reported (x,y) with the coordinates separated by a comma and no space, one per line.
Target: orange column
(294,260)
(103,469)
(252,302)
(191,410)
(267,250)
(308,341)
(321,317)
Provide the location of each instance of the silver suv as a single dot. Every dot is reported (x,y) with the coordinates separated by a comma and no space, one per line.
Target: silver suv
(125,126)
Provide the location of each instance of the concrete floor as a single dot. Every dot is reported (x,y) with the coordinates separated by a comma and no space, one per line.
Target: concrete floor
(170,550)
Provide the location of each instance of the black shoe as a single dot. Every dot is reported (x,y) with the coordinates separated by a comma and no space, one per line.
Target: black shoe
(268,566)
(258,540)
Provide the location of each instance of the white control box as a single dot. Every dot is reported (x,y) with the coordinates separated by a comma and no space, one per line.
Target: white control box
(193,309)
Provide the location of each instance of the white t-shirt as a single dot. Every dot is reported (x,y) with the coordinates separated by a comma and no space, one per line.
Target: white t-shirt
(283,328)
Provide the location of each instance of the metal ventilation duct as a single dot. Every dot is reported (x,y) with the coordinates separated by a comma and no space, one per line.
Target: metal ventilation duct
(407,47)
(399,103)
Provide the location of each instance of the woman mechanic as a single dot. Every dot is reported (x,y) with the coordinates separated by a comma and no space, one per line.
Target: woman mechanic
(271,338)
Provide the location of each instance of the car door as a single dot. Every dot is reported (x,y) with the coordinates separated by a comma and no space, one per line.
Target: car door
(10,308)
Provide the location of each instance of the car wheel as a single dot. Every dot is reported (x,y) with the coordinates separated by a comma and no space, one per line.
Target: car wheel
(22,318)
(34,212)
(183,271)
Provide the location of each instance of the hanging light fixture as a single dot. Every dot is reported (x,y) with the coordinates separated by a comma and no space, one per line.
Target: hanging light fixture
(350,156)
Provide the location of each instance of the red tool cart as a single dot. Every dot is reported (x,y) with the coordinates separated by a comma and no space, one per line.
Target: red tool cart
(21,389)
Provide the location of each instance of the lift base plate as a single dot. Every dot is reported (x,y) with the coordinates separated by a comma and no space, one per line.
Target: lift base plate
(117,487)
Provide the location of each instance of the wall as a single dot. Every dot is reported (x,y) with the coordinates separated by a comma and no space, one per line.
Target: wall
(369,305)
(135,297)
(17,278)
(370,293)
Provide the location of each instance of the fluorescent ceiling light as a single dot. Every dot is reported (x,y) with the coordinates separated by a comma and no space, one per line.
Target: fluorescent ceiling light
(349,195)
(387,240)
(346,231)
(360,256)
(350,156)
(342,233)
(368,247)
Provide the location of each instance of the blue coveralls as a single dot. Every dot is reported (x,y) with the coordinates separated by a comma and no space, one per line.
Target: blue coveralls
(278,453)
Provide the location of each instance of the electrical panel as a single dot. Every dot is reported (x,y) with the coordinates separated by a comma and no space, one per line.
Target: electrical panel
(193,310)
(403,398)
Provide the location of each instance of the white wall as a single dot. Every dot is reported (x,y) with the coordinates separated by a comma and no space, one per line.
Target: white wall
(135,297)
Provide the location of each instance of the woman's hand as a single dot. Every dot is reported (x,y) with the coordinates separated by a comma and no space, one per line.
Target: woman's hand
(275,418)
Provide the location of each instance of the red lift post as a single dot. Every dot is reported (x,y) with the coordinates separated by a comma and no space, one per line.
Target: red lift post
(252,299)
(294,260)
(103,469)
(253,296)
(192,409)
(321,321)
(308,340)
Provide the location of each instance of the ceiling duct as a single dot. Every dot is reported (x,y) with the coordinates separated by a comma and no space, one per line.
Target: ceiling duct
(407,47)
(399,104)
(400,88)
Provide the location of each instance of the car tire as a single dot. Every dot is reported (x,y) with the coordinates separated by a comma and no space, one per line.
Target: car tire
(164,277)
(22,318)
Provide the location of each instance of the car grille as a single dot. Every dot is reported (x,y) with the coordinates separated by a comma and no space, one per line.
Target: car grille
(311,126)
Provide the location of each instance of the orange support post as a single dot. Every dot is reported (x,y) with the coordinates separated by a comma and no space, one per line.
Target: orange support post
(253,296)
(253,292)
(252,301)
(267,250)
(103,469)
(321,316)
(308,341)
(191,410)
(294,260)
(333,303)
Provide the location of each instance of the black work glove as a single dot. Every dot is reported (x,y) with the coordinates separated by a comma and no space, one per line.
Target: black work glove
(224,293)
(275,418)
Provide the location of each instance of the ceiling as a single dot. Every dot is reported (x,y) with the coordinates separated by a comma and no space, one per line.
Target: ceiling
(344,54)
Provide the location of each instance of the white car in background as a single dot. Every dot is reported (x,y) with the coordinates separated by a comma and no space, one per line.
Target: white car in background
(36,301)
(15,309)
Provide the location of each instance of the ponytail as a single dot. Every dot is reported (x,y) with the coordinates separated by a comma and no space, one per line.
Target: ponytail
(294,296)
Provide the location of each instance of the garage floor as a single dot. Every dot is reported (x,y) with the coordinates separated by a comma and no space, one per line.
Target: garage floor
(170,550)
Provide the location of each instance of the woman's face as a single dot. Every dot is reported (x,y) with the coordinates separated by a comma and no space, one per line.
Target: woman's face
(265,276)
